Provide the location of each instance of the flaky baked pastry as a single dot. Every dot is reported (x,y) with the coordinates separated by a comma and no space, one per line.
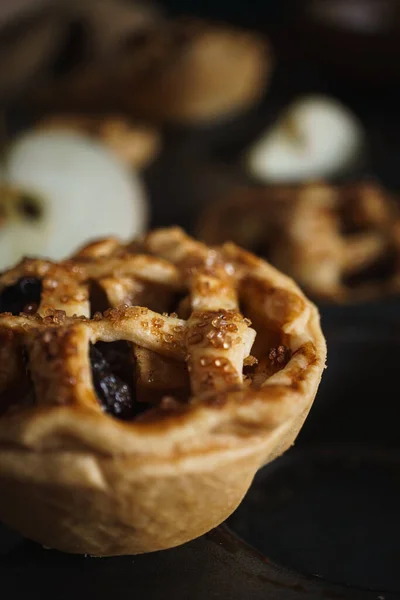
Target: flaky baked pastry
(137,144)
(340,243)
(135,429)
(183,70)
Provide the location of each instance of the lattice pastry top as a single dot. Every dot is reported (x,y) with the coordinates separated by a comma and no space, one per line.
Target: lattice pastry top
(137,401)
(340,243)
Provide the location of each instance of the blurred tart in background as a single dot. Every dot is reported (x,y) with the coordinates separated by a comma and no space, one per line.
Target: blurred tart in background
(185,71)
(340,242)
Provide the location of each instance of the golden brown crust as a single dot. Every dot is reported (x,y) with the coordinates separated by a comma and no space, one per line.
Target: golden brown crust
(104,486)
(186,70)
(339,242)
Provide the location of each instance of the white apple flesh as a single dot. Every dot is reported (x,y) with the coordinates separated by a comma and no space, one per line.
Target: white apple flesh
(316,137)
(79,189)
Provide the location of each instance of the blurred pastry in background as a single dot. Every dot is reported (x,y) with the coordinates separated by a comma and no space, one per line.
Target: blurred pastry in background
(28,44)
(183,71)
(107,24)
(341,243)
(38,36)
(136,144)
(315,137)
(58,188)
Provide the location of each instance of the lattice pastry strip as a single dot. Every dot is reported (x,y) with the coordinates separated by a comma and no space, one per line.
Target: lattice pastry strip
(154,270)
(218,337)
(60,367)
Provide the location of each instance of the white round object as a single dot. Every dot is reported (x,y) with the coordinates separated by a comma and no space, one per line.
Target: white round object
(316,137)
(82,190)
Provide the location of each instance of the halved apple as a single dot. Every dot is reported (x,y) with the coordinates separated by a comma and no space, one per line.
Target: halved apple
(60,189)
(315,137)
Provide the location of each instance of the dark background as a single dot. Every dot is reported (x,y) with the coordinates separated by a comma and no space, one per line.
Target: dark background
(241,12)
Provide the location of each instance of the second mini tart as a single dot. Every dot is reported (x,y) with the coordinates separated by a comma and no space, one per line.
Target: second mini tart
(340,242)
(137,428)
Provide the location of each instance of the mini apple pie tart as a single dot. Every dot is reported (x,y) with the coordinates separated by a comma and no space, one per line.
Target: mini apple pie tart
(341,243)
(143,385)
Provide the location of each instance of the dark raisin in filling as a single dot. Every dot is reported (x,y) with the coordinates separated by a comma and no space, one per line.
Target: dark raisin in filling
(114,395)
(23,296)
(120,360)
(113,379)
